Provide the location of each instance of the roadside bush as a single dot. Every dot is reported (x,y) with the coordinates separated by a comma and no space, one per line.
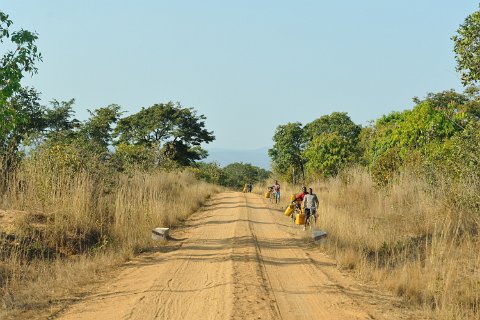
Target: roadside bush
(385,167)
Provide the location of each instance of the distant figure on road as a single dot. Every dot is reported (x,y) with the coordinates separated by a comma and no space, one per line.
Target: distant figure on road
(276,190)
(250,187)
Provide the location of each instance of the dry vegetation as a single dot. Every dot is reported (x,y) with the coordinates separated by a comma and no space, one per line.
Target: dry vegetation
(59,230)
(417,239)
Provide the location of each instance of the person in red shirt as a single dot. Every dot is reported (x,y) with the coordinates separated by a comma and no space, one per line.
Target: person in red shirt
(301,195)
(298,200)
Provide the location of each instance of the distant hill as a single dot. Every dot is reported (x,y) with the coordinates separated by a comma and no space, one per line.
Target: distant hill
(256,157)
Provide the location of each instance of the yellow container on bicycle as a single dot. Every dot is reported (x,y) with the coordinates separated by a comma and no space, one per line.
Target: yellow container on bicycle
(266,194)
(289,210)
(300,218)
(293,197)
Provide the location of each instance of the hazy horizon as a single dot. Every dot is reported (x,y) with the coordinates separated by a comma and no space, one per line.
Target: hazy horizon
(223,156)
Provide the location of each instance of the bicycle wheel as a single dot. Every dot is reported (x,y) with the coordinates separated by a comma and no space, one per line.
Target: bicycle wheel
(311,222)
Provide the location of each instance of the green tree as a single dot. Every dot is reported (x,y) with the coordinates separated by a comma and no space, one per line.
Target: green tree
(385,167)
(329,153)
(14,64)
(56,140)
(177,132)
(365,140)
(134,156)
(287,151)
(333,144)
(411,137)
(209,172)
(412,129)
(459,108)
(85,143)
(338,123)
(443,100)
(95,135)
(26,102)
(467,49)
(60,116)
(457,158)
(30,120)
(236,174)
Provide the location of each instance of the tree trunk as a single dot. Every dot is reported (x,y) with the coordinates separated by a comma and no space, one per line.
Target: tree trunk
(303,172)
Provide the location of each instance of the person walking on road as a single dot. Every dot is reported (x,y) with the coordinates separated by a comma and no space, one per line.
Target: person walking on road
(276,190)
(310,204)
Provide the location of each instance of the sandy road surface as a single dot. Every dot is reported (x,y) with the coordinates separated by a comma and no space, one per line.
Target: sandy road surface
(235,259)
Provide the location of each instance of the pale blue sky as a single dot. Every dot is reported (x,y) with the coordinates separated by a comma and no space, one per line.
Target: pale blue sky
(248,66)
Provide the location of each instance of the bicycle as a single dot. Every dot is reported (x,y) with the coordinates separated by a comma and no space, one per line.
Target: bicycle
(298,210)
(312,219)
(273,197)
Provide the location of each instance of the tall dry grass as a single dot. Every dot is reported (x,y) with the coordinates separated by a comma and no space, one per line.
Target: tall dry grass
(418,239)
(163,199)
(69,226)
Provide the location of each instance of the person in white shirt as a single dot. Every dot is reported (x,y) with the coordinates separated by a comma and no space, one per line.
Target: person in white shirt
(310,204)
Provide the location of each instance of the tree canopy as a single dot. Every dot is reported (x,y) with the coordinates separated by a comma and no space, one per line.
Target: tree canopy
(333,144)
(338,123)
(163,133)
(237,174)
(467,49)
(321,148)
(177,131)
(286,153)
(14,64)
(328,154)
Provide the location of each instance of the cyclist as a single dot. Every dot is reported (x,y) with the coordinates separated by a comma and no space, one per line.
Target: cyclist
(300,196)
(310,203)
(270,193)
(298,201)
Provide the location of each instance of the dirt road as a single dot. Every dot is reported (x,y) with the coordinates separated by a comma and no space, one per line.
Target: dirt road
(236,259)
